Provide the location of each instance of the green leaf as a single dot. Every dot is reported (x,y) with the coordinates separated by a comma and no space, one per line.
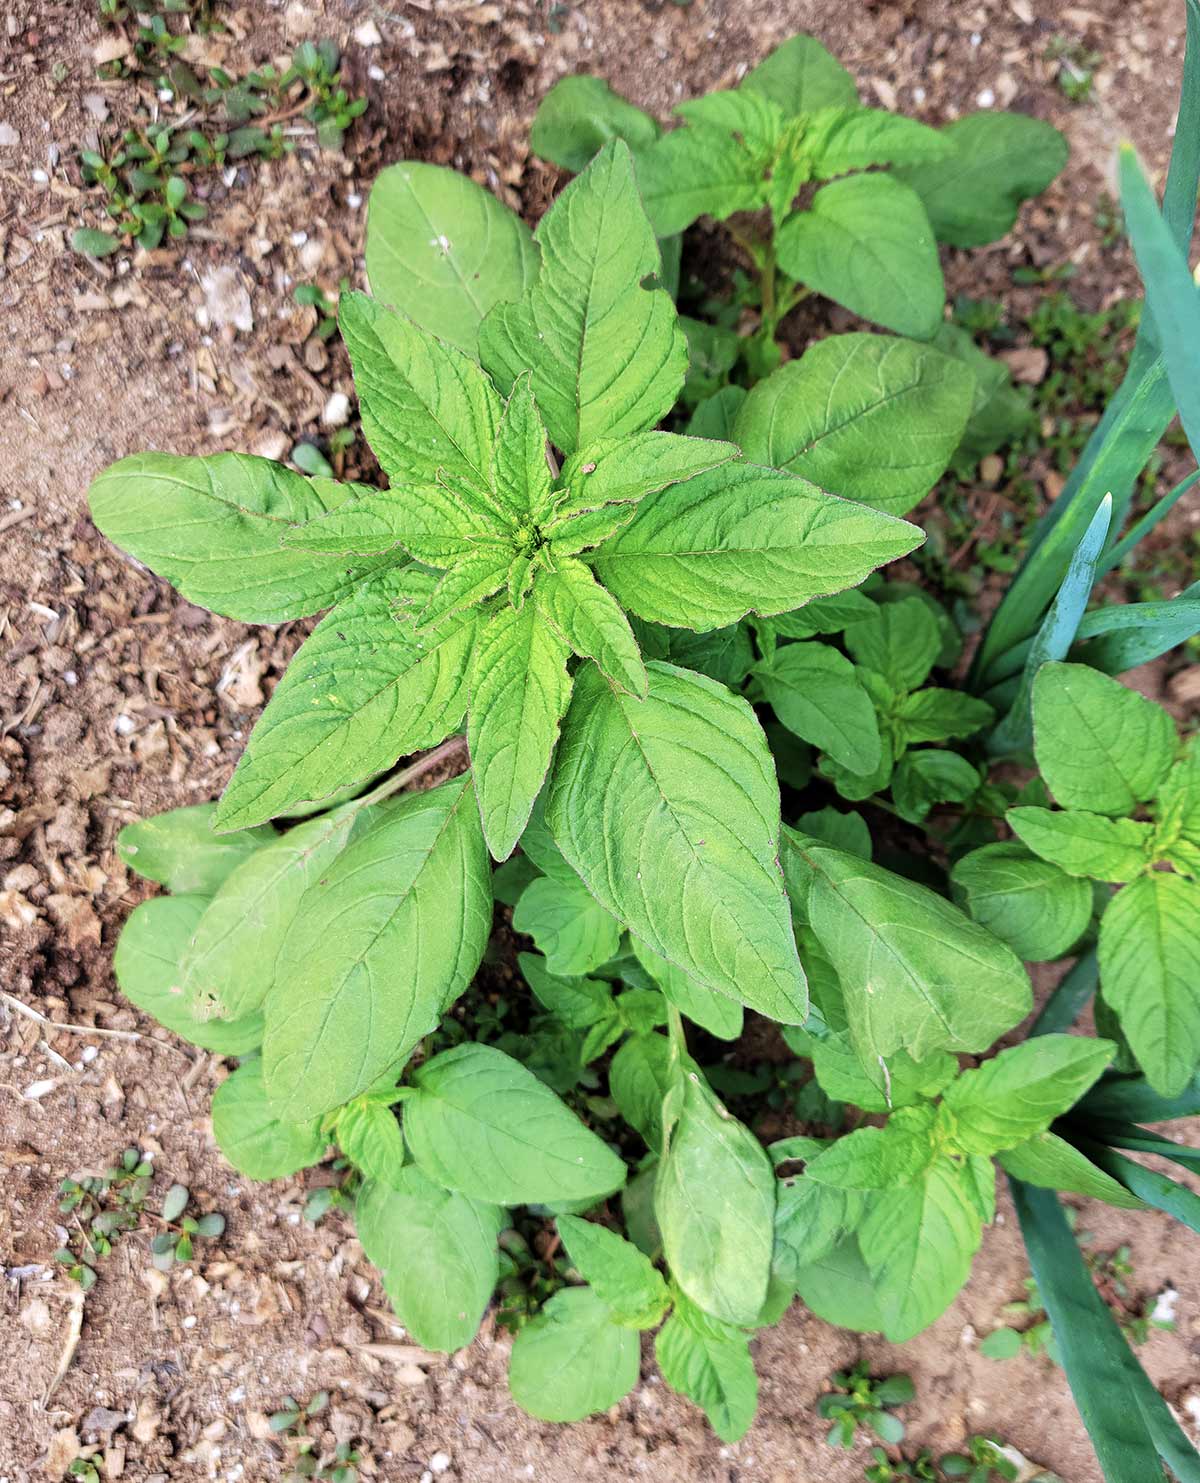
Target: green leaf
(934,715)
(519,692)
(146,964)
(180,850)
(607,356)
(839,1288)
(1085,844)
(897,1081)
(443,250)
(1150,975)
(847,831)
(364,688)
(879,1158)
(927,777)
(999,413)
(579,1002)
(579,116)
(709,1362)
(917,1242)
(715,1203)
(639,1078)
(482,1124)
(1177,813)
(1021,1091)
(1052,1163)
(718,1014)
(228,966)
(918,975)
(369,1135)
(573,1360)
(723,654)
(383,943)
(427,409)
(815,693)
(742,538)
(800,76)
(899,641)
(590,623)
(436,1252)
(844,139)
(570,928)
(92,243)
(867,417)
(616,1271)
(251,1134)
(1099,745)
(716,415)
(830,614)
(212,527)
(866,243)
(998,161)
(693,870)
(1039,910)
(810,1218)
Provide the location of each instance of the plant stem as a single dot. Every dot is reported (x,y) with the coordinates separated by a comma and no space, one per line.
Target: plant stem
(454,747)
(675,1028)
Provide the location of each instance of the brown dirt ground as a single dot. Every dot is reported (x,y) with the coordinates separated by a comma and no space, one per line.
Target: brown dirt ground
(117,700)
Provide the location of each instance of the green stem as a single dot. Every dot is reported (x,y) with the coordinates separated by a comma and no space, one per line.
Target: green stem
(676,1031)
(454,747)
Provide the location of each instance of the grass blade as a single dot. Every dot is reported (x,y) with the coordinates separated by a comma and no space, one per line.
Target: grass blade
(1070,996)
(1119,638)
(1183,173)
(1100,1367)
(1132,1099)
(1156,1189)
(1140,1140)
(1147,523)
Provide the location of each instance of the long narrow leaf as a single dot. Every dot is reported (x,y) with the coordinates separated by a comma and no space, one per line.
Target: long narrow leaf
(1056,635)
(1100,1369)
(1142,528)
(1132,1099)
(1156,1189)
(1121,638)
(1183,173)
(1069,997)
(1140,1140)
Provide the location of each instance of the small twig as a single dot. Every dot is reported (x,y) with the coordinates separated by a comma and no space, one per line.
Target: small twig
(42,1019)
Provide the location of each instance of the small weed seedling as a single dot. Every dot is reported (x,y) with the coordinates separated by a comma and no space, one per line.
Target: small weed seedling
(865,1402)
(290,1423)
(884,1469)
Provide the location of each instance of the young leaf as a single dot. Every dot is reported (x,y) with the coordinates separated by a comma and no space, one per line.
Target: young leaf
(1052,1163)
(693,869)
(519,692)
(918,975)
(427,409)
(998,160)
(436,1252)
(1099,745)
(364,689)
(616,1271)
(917,1241)
(1150,974)
(933,715)
(800,76)
(520,473)
(369,1135)
(180,850)
(590,623)
(146,964)
(927,777)
(212,527)
(815,693)
(573,1360)
(709,1362)
(571,929)
(866,243)
(1036,908)
(607,356)
(1085,844)
(621,471)
(867,417)
(579,1002)
(578,117)
(482,1124)
(899,641)
(879,1158)
(639,1078)
(1021,1091)
(443,250)
(843,139)
(228,966)
(719,1015)
(715,1204)
(383,942)
(251,1134)
(740,539)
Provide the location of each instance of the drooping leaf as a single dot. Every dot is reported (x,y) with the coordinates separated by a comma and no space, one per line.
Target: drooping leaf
(573,1359)
(256,1140)
(866,243)
(436,1252)
(693,869)
(867,417)
(383,942)
(715,1203)
(213,527)
(579,116)
(998,160)
(181,850)
(444,250)
(1035,907)
(365,688)
(839,1288)
(480,1123)
(607,356)
(740,539)
(1085,844)
(579,1002)
(709,1362)
(616,1271)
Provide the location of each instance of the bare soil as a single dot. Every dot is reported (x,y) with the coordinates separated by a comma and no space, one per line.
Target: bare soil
(117,699)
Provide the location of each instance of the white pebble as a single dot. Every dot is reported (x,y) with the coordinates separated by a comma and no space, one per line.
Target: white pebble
(439,1462)
(337,410)
(986,98)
